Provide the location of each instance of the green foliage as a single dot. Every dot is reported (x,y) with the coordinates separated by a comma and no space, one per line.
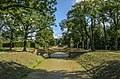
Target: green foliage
(45,37)
(22,19)
(18,44)
(95,23)
(32,44)
(6,45)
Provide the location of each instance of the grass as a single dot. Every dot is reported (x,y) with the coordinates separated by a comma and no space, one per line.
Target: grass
(101,65)
(18,49)
(118,51)
(16,65)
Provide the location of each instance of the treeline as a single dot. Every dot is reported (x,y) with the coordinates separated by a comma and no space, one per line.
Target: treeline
(93,24)
(22,21)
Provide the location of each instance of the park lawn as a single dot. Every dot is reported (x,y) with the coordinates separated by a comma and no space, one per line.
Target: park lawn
(16,65)
(101,65)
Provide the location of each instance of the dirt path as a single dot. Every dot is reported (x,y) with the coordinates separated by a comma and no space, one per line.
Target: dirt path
(59,69)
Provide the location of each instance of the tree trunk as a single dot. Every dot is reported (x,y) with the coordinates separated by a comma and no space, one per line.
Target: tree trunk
(77,44)
(92,36)
(105,36)
(24,45)
(116,43)
(82,42)
(88,41)
(25,38)
(11,40)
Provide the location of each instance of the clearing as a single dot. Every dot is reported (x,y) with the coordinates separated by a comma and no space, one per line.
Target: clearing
(59,69)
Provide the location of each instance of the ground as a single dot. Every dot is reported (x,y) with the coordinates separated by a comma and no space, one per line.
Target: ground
(57,68)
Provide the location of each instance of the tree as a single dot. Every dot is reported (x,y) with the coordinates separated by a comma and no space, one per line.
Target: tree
(33,15)
(9,29)
(88,18)
(45,37)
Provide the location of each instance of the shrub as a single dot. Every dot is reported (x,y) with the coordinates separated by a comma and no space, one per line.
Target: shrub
(6,44)
(18,44)
(32,44)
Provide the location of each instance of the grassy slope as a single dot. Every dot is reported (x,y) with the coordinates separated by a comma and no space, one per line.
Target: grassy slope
(17,65)
(101,65)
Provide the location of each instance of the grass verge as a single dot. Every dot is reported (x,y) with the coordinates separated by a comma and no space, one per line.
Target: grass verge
(17,65)
(101,65)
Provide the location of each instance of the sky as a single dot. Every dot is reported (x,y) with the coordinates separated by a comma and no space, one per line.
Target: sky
(63,6)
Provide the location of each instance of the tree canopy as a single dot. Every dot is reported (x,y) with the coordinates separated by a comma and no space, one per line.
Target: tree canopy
(93,24)
(26,17)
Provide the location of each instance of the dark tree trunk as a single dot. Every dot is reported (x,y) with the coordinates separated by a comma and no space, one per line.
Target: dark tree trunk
(25,38)
(83,41)
(92,36)
(88,41)
(116,43)
(11,40)
(105,36)
(77,44)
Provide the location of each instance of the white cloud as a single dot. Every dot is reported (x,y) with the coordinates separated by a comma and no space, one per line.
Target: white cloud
(76,1)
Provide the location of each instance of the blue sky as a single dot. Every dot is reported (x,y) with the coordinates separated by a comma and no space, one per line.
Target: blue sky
(63,6)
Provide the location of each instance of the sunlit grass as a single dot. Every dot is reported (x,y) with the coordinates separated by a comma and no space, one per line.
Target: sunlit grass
(24,58)
(16,65)
(97,63)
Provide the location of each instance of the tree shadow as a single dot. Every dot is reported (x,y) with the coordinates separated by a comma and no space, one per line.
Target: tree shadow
(59,74)
(107,70)
(13,70)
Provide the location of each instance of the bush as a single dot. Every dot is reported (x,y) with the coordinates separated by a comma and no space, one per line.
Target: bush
(6,45)
(18,44)
(28,44)
(32,44)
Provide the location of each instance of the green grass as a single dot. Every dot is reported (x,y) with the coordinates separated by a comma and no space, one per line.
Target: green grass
(6,49)
(118,51)
(101,65)
(16,65)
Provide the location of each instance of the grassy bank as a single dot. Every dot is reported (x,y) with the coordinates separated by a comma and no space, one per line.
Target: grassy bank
(16,65)
(101,65)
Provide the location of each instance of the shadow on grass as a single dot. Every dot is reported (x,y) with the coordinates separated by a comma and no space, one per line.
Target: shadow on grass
(12,70)
(61,74)
(107,70)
